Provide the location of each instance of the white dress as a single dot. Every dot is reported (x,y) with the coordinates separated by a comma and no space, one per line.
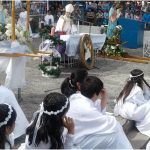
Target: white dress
(11,140)
(7,96)
(136,107)
(148,146)
(93,128)
(68,144)
(65,24)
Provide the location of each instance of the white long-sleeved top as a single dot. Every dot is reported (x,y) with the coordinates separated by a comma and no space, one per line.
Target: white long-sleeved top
(68,144)
(7,96)
(93,128)
(136,107)
(47,18)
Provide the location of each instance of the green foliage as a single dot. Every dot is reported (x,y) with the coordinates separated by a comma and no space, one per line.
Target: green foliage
(45,33)
(54,67)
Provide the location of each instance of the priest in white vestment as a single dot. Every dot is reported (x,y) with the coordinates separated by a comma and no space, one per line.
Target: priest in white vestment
(7,96)
(65,24)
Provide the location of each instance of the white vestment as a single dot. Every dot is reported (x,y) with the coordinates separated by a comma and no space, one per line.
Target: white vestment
(7,96)
(49,20)
(93,128)
(65,24)
(136,107)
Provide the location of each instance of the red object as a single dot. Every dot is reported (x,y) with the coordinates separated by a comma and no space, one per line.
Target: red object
(61,33)
(52,31)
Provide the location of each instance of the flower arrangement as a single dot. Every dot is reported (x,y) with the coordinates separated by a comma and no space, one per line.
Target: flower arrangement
(23,37)
(114,44)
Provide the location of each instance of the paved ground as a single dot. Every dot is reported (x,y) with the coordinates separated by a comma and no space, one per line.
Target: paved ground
(112,73)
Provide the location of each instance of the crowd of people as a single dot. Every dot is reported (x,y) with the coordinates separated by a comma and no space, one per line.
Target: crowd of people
(76,117)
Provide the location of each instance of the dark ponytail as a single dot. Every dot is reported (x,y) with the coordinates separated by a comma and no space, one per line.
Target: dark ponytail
(69,85)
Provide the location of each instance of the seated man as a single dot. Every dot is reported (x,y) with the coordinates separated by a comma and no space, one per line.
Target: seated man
(65,24)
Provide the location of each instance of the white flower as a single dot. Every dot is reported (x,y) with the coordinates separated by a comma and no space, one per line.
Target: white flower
(17,33)
(18,27)
(22,33)
(8,26)
(112,47)
(8,33)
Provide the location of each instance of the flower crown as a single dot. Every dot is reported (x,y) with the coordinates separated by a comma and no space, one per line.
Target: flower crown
(8,117)
(48,113)
(54,112)
(131,76)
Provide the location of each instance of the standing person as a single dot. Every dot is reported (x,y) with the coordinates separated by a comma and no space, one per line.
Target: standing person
(65,23)
(133,101)
(3,15)
(113,17)
(22,20)
(7,96)
(71,84)
(93,128)
(49,18)
(7,124)
(46,129)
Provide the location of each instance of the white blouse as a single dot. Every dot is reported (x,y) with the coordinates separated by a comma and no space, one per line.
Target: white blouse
(11,140)
(68,144)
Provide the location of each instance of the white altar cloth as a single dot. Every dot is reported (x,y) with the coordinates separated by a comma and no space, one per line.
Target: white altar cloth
(73,42)
(14,67)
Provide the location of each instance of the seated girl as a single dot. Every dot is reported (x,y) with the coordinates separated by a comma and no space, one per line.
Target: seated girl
(133,102)
(46,129)
(71,84)
(94,129)
(7,125)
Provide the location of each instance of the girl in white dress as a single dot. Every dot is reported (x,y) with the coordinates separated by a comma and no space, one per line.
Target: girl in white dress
(133,102)
(94,129)
(45,131)
(7,124)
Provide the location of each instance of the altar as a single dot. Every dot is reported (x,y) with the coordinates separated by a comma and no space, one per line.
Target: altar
(73,42)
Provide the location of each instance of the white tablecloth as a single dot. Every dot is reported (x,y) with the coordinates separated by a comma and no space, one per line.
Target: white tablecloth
(14,67)
(73,42)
